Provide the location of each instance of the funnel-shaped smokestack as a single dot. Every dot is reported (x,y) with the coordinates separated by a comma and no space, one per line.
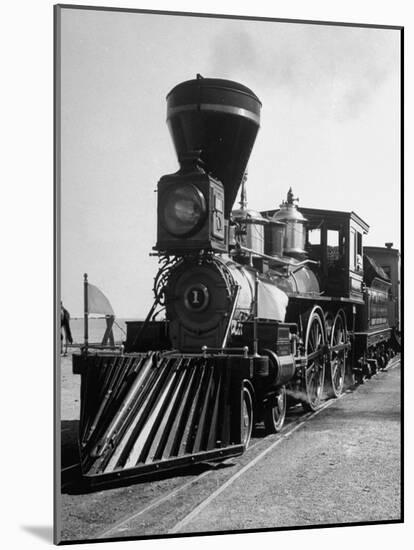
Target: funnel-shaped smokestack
(219,118)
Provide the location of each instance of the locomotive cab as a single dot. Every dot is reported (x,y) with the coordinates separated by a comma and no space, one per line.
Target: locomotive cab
(335,240)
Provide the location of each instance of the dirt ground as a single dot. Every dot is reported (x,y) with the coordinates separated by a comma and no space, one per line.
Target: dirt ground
(70,390)
(341,466)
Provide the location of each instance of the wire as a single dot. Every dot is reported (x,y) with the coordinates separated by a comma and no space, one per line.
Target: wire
(120,328)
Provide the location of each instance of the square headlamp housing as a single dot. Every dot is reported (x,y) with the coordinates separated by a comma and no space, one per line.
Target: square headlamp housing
(190,213)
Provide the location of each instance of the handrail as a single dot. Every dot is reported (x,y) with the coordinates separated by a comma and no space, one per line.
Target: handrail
(278,260)
(206,349)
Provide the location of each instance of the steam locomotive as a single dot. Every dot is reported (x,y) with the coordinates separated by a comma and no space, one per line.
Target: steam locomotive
(261,309)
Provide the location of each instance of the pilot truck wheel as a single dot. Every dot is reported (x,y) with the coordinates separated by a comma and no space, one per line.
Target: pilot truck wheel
(247,413)
(275,411)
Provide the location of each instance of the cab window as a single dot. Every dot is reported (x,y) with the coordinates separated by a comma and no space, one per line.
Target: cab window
(333,252)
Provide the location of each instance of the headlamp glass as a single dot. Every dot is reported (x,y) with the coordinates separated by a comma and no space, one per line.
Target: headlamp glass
(184,209)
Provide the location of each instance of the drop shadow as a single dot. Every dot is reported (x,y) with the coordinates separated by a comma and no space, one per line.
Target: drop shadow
(43,532)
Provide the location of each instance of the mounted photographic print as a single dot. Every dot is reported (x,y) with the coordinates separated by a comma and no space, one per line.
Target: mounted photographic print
(228,236)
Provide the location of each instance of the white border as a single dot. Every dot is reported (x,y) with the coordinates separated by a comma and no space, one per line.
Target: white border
(27,280)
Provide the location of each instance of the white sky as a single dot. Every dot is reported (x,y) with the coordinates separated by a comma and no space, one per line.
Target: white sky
(330,129)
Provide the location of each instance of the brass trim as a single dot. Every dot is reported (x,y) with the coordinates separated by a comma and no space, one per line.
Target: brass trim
(238,111)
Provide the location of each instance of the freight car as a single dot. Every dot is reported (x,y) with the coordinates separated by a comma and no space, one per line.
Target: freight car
(261,309)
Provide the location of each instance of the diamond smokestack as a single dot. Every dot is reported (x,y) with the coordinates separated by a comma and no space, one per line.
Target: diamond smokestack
(220,119)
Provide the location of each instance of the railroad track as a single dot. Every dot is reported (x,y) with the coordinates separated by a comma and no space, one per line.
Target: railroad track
(196,492)
(254,454)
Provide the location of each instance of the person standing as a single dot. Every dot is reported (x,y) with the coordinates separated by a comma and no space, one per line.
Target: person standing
(65,327)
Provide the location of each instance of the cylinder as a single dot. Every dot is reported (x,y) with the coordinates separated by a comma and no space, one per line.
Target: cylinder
(294,236)
(255,237)
(274,238)
(252,223)
(282,367)
(294,242)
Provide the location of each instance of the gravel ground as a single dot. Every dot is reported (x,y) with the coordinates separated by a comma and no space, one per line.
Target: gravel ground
(342,466)
(70,390)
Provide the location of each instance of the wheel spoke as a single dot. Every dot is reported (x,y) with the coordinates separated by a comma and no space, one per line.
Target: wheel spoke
(275,412)
(338,359)
(314,372)
(315,355)
(247,415)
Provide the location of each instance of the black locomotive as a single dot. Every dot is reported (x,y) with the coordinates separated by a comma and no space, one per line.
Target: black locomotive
(261,309)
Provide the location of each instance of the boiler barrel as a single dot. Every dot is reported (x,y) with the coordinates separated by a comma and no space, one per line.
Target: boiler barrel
(219,118)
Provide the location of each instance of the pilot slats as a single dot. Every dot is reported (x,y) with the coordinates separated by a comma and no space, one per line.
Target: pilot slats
(144,412)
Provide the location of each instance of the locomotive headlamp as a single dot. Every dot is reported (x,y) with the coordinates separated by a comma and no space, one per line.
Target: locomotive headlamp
(184,209)
(190,213)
